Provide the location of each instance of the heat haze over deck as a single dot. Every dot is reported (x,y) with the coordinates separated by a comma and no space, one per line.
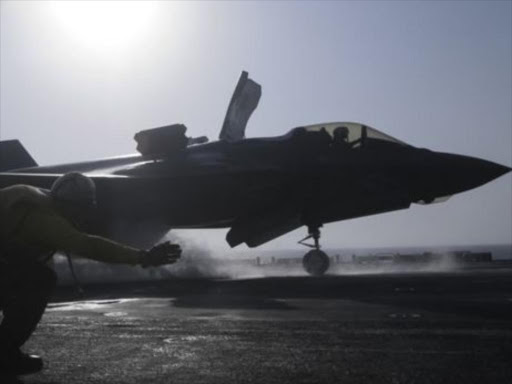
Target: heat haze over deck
(78,79)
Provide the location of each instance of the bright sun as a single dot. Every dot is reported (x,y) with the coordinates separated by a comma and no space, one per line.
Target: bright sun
(109,26)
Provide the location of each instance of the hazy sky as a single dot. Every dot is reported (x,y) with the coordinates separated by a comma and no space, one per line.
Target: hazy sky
(79,79)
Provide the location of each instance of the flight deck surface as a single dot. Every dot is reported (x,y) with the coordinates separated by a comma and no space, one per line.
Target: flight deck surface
(389,328)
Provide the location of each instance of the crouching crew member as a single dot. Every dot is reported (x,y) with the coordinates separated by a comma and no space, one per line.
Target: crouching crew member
(35,223)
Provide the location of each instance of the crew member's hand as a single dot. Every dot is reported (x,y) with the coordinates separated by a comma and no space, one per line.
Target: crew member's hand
(161,254)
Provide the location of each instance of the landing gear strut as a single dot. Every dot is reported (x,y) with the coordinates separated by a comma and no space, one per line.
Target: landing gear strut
(315,262)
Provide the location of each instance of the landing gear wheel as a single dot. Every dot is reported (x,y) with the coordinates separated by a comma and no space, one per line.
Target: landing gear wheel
(315,262)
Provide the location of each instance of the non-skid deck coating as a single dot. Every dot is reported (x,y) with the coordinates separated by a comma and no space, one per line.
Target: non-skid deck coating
(408,328)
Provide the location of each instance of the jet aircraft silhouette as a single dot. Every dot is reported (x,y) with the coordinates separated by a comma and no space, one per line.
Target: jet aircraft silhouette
(260,188)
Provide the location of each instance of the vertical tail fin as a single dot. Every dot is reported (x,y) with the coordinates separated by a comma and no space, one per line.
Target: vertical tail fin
(14,156)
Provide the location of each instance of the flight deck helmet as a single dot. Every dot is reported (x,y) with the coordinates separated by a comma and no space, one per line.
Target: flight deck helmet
(74,188)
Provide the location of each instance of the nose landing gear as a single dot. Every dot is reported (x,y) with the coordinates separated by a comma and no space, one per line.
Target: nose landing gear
(315,262)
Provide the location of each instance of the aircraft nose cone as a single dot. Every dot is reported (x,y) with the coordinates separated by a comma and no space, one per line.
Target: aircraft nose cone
(466,172)
(495,170)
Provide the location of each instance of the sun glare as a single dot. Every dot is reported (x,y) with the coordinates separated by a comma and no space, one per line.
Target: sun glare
(108,26)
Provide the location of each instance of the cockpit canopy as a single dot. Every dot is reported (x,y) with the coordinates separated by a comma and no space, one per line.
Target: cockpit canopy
(352,135)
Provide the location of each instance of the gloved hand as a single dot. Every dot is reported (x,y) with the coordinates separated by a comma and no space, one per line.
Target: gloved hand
(161,254)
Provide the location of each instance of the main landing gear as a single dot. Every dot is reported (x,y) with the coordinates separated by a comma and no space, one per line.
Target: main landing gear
(315,262)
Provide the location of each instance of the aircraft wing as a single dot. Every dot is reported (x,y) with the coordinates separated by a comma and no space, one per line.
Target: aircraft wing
(272,215)
(274,212)
(243,103)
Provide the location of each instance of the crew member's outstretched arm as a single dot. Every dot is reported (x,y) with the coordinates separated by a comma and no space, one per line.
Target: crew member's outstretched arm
(47,229)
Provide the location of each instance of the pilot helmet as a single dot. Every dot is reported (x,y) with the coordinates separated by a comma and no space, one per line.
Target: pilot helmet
(342,130)
(74,188)
(341,133)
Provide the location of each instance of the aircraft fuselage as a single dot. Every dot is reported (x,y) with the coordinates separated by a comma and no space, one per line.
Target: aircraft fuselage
(286,182)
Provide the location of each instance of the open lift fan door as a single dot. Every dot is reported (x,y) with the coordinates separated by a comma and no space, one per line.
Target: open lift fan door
(244,101)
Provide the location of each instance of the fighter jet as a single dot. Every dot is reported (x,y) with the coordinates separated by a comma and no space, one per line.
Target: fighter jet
(259,188)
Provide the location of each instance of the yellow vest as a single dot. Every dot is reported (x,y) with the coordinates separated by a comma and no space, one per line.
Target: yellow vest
(30,223)
(15,202)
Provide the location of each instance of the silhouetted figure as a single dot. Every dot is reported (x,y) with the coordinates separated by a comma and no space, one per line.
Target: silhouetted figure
(340,138)
(34,223)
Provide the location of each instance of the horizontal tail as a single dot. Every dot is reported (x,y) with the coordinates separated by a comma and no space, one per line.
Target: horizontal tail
(14,156)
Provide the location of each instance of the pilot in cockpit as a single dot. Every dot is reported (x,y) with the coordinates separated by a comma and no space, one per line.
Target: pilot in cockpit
(340,138)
